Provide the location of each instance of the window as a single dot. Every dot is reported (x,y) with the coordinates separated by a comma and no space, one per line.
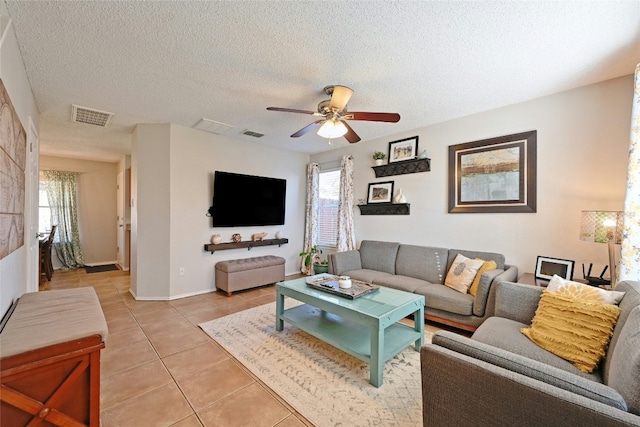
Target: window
(44,210)
(328,208)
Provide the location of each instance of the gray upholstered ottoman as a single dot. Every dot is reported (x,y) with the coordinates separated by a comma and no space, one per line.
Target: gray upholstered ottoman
(238,274)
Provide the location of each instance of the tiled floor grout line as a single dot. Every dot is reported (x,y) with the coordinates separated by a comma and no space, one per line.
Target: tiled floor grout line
(173,378)
(112,294)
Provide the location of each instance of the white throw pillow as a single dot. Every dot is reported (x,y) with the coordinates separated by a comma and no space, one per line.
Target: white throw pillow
(462,272)
(584,292)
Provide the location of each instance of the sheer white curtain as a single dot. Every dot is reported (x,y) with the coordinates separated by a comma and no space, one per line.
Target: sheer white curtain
(630,254)
(311,225)
(62,189)
(346,232)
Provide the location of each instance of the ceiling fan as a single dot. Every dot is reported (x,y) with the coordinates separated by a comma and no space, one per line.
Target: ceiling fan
(334,115)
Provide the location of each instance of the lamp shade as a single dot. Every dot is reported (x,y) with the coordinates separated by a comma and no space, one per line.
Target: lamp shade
(332,128)
(601,226)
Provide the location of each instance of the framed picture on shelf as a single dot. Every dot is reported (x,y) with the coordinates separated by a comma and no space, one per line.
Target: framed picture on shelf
(546,267)
(403,149)
(380,192)
(493,175)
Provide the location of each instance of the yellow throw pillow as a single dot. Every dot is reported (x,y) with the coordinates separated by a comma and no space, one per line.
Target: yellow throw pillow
(462,272)
(487,266)
(574,329)
(583,292)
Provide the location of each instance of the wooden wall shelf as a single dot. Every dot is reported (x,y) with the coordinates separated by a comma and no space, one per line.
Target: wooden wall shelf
(402,168)
(210,247)
(385,209)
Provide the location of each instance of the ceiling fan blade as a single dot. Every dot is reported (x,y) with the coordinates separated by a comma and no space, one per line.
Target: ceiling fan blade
(290,110)
(373,117)
(351,135)
(308,128)
(340,97)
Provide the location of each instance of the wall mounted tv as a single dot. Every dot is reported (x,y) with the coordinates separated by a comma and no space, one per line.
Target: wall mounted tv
(247,200)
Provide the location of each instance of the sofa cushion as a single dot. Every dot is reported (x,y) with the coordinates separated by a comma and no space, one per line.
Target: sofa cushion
(516,301)
(422,262)
(581,291)
(505,334)
(403,283)
(41,319)
(380,256)
(443,298)
(486,266)
(487,256)
(574,329)
(462,272)
(531,368)
(365,275)
(624,373)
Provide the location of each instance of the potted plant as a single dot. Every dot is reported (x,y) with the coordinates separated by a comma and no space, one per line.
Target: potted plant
(311,256)
(321,266)
(379,157)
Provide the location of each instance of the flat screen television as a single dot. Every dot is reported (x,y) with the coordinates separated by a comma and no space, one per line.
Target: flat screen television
(247,200)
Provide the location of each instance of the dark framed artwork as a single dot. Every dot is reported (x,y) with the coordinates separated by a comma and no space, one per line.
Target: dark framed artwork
(493,175)
(380,192)
(403,149)
(546,267)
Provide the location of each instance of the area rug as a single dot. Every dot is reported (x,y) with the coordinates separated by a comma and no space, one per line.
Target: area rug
(101,268)
(324,384)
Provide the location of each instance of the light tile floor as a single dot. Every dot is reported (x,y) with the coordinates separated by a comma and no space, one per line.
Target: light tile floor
(160,369)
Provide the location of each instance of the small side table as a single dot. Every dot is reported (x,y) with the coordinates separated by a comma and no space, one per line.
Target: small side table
(530,279)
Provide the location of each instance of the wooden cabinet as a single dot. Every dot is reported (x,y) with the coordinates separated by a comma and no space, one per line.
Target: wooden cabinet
(50,359)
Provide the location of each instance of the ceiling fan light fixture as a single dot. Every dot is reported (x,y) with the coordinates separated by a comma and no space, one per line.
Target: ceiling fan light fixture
(332,128)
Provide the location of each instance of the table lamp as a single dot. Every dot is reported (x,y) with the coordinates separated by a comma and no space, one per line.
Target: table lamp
(603,227)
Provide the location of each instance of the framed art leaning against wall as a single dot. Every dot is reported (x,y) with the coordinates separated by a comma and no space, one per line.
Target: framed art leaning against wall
(403,149)
(547,267)
(380,192)
(493,175)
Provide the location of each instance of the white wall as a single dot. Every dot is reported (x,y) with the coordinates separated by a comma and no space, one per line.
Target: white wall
(13,268)
(124,167)
(582,149)
(150,212)
(96,206)
(179,163)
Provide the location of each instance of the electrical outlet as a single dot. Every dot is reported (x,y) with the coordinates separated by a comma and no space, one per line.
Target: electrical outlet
(181,271)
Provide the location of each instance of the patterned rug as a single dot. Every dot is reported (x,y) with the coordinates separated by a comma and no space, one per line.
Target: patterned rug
(324,384)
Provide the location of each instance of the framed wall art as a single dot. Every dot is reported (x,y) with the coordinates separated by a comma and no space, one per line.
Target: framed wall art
(493,175)
(546,267)
(13,154)
(403,149)
(380,192)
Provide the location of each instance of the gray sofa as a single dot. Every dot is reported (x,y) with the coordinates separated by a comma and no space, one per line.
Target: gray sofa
(499,377)
(422,270)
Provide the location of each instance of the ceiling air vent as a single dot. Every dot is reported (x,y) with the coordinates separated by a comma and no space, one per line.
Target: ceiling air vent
(90,116)
(252,133)
(212,126)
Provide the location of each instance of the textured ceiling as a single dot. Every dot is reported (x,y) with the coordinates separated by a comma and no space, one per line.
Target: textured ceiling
(178,62)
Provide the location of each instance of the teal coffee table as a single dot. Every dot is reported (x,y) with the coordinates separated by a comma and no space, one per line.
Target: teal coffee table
(366,327)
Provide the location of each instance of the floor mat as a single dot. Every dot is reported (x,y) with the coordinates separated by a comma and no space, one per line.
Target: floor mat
(101,268)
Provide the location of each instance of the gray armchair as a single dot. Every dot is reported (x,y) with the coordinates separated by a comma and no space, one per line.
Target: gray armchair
(500,378)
